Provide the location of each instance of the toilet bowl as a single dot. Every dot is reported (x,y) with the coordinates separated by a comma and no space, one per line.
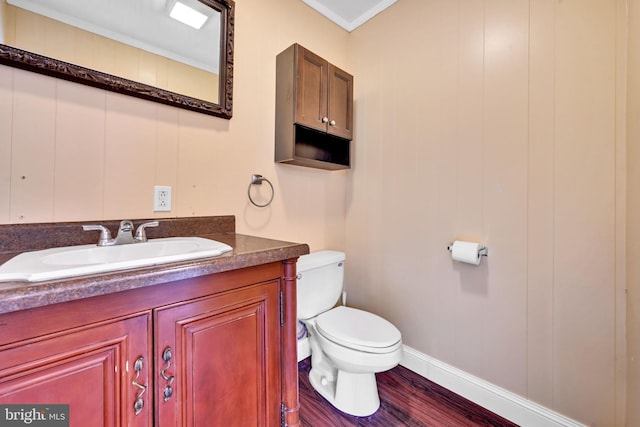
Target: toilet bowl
(348,346)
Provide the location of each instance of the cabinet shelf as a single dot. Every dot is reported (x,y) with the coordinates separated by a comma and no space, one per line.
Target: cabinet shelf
(319,150)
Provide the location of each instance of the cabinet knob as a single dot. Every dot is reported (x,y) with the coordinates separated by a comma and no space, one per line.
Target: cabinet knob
(325,120)
(332,123)
(138,405)
(167,393)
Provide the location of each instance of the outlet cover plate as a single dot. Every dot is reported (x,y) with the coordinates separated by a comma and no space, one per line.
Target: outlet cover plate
(161,198)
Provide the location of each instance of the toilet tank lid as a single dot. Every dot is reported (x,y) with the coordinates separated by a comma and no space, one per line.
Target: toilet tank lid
(319,259)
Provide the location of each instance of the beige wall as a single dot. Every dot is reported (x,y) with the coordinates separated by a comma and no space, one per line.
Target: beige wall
(3,13)
(502,122)
(89,154)
(633,216)
(494,120)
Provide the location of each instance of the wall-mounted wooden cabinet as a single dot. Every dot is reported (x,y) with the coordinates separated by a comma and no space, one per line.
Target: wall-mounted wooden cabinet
(314,111)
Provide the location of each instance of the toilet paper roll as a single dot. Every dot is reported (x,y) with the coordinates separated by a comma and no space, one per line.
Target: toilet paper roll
(468,252)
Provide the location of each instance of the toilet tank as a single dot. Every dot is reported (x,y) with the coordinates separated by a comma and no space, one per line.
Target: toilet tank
(319,283)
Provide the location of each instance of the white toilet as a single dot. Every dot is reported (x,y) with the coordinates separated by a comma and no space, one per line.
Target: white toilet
(348,346)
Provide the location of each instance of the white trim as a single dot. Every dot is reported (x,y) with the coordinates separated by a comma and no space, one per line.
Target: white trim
(349,25)
(509,405)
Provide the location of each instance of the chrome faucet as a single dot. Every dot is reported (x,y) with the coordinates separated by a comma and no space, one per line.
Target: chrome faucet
(125,233)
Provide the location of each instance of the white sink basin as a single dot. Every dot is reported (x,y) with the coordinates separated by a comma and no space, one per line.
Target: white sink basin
(74,261)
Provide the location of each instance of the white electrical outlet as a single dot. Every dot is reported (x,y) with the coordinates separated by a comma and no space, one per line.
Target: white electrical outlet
(161,198)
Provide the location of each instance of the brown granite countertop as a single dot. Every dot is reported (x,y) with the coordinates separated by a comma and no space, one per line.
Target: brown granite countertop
(247,251)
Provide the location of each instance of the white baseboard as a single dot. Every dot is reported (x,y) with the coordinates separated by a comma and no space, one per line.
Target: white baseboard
(509,405)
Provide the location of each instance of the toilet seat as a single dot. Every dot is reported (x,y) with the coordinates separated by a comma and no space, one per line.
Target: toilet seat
(358,329)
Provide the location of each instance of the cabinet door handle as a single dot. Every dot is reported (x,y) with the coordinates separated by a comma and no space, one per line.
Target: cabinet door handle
(325,120)
(332,123)
(139,402)
(168,391)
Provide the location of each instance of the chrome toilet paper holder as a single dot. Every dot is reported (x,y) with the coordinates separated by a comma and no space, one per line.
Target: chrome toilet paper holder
(482,250)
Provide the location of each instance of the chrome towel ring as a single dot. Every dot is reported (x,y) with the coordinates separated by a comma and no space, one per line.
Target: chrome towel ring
(257,180)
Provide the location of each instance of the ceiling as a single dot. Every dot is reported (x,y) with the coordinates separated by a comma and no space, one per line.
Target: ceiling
(349,14)
(145,23)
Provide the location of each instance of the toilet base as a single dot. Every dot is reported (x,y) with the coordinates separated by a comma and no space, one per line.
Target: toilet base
(304,348)
(351,393)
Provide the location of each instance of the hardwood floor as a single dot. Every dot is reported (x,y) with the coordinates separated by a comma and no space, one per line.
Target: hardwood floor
(406,399)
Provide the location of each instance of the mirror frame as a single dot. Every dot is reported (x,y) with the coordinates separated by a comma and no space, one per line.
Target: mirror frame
(26,60)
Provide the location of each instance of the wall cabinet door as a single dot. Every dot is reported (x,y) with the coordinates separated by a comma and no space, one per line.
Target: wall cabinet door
(311,87)
(217,360)
(91,369)
(324,95)
(340,103)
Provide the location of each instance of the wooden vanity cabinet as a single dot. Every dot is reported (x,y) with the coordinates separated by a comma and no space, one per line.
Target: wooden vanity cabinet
(211,351)
(314,110)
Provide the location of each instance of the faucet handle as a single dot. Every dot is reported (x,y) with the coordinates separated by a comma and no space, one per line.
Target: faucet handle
(105,235)
(141,236)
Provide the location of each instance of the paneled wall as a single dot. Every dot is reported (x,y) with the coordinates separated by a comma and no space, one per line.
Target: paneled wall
(74,153)
(502,122)
(633,216)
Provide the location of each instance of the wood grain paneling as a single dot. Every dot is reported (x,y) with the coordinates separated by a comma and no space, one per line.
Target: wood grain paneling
(633,218)
(584,211)
(32,165)
(6,126)
(130,149)
(508,109)
(80,117)
(540,209)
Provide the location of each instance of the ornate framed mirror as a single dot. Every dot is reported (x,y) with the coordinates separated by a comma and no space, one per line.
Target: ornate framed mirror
(134,48)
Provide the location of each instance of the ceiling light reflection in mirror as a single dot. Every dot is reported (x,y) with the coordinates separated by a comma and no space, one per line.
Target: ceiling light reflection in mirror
(134,39)
(191,17)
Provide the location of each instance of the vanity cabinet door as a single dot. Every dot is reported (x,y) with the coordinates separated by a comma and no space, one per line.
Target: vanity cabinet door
(90,368)
(218,360)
